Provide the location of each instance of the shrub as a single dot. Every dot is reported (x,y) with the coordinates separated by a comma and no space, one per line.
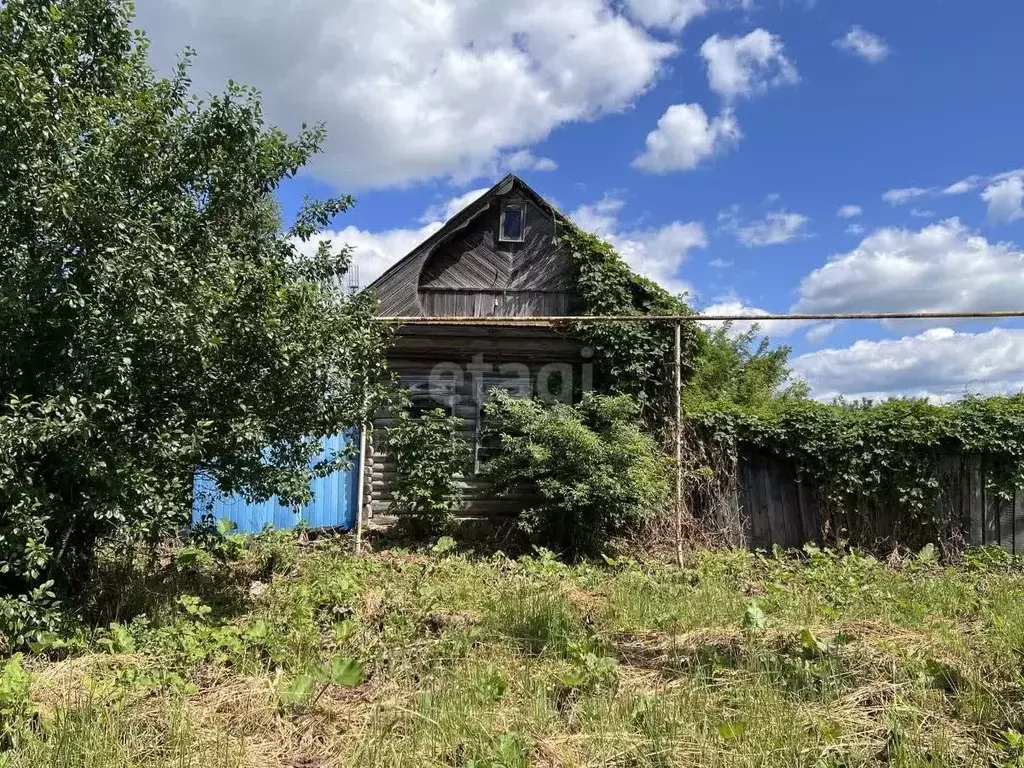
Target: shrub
(595,472)
(430,456)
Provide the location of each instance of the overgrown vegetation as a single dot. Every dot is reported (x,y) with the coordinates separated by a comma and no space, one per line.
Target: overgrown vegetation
(638,358)
(296,655)
(595,472)
(431,458)
(894,452)
(154,318)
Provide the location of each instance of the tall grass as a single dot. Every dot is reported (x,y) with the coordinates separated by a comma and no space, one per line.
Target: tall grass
(821,659)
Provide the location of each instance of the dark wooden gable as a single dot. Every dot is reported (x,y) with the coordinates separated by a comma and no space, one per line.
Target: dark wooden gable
(466,270)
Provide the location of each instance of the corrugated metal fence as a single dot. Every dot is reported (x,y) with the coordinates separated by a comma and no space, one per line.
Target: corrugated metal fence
(768,503)
(333,506)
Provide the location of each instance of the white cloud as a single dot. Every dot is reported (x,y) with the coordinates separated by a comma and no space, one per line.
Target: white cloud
(685,137)
(849,211)
(674,15)
(657,253)
(730,305)
(441,213)
(601,217)
(963,186)
(774,228)
(525,160)
(940,363)
(719,264)
(746,66)
(375,252)
(859,41)
(942,267)
(900,196)
(855,229)
(921,213)
(819,332)
(415,89)
(1005,199)
(667,14)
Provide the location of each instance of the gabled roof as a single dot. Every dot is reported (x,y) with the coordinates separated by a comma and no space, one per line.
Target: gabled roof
(460,220)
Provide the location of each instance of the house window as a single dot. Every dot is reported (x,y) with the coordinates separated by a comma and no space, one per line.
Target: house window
(521,386)
(425,397)
(513,223)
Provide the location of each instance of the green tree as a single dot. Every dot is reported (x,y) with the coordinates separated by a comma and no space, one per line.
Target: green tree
(154,318)
(594,471)
(430,458)
(742,369)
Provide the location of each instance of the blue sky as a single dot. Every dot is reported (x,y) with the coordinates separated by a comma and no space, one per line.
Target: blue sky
(772,155)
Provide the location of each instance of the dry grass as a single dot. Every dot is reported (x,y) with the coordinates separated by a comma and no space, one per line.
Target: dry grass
(835,662)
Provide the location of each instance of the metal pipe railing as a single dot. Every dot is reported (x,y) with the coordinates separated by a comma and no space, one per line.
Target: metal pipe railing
(804,316)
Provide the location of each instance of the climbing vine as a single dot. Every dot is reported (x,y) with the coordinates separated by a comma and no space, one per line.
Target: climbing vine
(739,399)
(893,451)
(638,358)
(629,358)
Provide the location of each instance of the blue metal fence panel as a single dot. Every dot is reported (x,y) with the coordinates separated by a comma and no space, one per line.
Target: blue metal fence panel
(334,502)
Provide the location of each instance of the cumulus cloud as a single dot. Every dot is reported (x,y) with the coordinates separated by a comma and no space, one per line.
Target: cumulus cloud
(862,43)
(657,253)
(856,229)
(944,266)
(849,211)
(667,14)
(413,90)
(963,186)
(375,252)
(441,213)
(774,228)
(746,66)
(1005,199)
(1003,193)
(901,196)
(525,160)
(731,305)
(819,332)
(685,138)
(940,364)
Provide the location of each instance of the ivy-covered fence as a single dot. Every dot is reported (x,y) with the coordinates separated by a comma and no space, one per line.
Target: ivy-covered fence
(766,465)
(899,473)
(768,502)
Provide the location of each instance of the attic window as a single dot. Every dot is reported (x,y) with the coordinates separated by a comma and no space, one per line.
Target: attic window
(513,223)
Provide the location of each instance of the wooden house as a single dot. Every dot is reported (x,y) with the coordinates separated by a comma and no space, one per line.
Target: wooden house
(499,257)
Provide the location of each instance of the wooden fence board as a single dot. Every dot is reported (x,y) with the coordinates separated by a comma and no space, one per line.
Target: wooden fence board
(791,507)
(1018,521)
(767,502)
(810,510)
(977,502)
(754,501)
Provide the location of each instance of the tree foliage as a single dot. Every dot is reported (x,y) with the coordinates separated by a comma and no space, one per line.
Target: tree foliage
(430,459)
(595,471)
(741,368)
(153,317)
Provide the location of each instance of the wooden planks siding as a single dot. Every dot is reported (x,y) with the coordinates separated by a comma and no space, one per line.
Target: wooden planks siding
(479,500)
(494,303)
(466,257)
